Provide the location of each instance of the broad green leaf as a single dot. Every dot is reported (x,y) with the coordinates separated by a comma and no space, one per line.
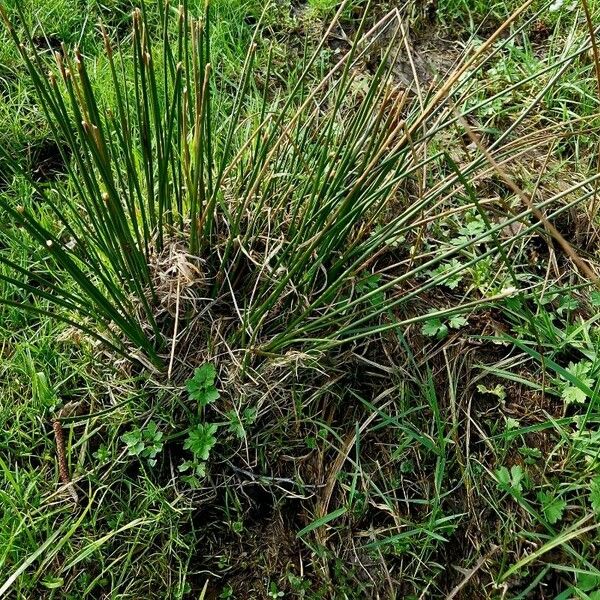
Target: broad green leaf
(552,506)
(434,328)
(457,322)
(503,476)
(587,582)
(573,395)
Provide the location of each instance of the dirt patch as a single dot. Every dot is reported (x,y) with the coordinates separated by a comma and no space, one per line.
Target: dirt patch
(47,161)
(47,42)
(267,553)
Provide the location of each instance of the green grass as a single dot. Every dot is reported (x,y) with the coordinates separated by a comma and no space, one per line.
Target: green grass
(477,15)
(390,420)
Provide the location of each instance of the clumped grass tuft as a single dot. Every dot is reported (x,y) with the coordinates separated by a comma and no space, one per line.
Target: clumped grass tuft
(166,181)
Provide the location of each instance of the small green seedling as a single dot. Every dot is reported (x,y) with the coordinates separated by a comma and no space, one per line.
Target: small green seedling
(145,443)
(226,592)
(200,441)
(498,390)
(435,327)
(573,394)
(201,387)
(512,423)
(102,455)
(274,592)
(369,284)
(450,273)
(201,438)
(552,506)
(567,304)
(530,455)
(238,423)
(511,481)
(194,472)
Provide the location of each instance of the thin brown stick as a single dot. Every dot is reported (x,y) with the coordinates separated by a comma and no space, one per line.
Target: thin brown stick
(61,454)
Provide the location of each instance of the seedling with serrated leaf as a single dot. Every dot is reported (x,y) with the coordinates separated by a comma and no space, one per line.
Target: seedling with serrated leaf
(145,443)
(195,472)
(201,438)
(238,422)
(201,387)
(575,394)
(552,506)
(511,481)
(530,455)
(512,423)
(567,304)
(435,327)
(200,441)
(498,390)
(449,273)
(369,284)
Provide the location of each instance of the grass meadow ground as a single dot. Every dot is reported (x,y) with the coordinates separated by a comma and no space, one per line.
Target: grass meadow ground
(299,300)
